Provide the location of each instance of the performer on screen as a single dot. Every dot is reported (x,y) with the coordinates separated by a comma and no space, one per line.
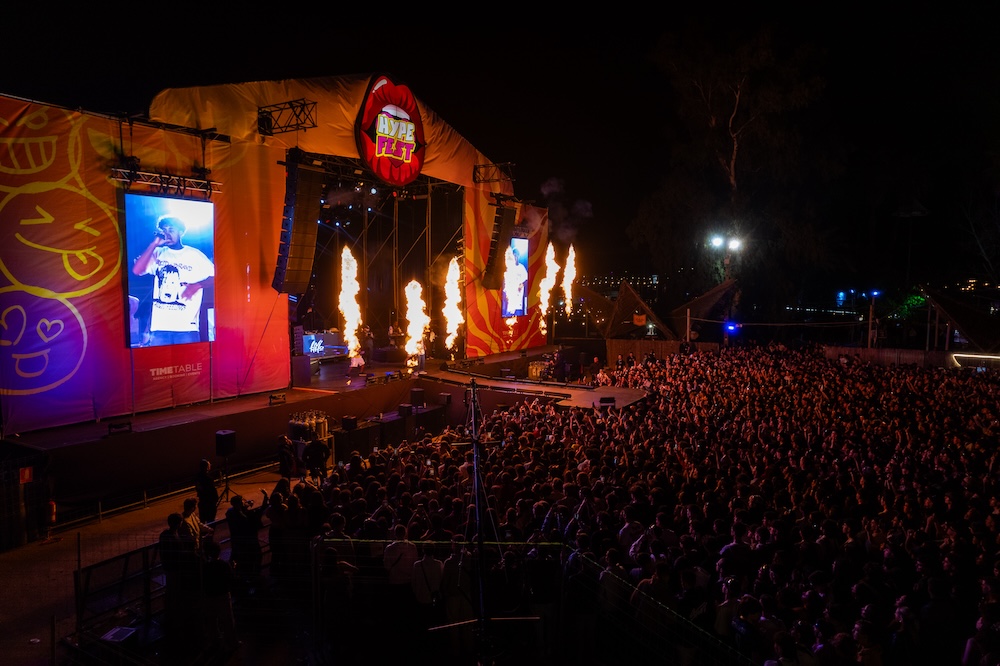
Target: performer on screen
(515,280)
(181,275)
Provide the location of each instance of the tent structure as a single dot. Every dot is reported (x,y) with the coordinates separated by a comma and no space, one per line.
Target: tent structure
(974,323)
(702,310)
(629,316)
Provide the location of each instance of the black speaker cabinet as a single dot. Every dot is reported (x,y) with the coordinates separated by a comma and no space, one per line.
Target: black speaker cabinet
(607,400)
(405,409)
(417,397)
(362,439)
(431,419)
(225,443)
(349,422)
(392,430)
(444,398)
(342,446)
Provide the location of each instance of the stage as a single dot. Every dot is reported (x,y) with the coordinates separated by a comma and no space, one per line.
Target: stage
(377,405)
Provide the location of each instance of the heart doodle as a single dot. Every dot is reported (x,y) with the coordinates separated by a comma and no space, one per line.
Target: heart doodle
(4,342)
(47,330)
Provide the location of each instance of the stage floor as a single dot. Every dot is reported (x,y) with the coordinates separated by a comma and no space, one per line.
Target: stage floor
(332,377)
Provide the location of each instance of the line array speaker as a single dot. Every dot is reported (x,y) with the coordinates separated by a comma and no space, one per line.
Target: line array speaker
(297,248)
(503,229)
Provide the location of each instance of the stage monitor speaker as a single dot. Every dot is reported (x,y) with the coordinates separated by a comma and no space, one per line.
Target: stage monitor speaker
(405,409)
(225,443)
(607,400)
(349,422)
(444,398)
(503,229)
(297,248)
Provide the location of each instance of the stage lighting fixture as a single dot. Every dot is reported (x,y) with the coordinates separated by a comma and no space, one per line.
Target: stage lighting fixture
(265,123)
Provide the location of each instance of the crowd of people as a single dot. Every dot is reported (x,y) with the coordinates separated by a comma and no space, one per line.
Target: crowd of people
(794,508)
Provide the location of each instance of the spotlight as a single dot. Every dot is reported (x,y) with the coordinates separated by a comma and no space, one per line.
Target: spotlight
(265,123)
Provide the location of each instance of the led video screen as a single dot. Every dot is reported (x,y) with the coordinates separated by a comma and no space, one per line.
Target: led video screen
(170,244)
(515,298)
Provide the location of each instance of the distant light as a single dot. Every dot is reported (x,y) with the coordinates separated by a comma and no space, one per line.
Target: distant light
(734,244)
(717,241)
(374,191)
(732,327)
(875,293)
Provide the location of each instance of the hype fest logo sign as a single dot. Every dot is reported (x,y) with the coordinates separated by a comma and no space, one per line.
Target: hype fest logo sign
(390,132)
(59,243)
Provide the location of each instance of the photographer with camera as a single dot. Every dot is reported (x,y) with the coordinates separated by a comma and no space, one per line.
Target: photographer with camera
(245,523)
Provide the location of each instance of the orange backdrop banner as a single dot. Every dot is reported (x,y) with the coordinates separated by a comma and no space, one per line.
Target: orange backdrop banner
(65,344)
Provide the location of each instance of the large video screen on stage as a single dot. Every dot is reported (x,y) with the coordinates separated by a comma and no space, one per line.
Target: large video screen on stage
(516,273)
(171,270)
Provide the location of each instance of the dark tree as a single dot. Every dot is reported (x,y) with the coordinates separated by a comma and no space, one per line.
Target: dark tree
(741,163)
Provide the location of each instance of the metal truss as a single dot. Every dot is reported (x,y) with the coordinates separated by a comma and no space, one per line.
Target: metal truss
(297,114)
(493,173)
(165,183)
(350,171)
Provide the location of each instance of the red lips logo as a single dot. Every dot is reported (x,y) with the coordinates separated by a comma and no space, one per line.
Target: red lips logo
(390,132)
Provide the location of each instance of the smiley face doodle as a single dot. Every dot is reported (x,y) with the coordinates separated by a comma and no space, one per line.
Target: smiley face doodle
(61,241)
(42,342)
(30,148)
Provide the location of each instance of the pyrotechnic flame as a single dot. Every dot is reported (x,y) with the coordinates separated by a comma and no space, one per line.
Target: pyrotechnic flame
(452,303)
(569,274)
(417,321)
(349,307)
(545,285)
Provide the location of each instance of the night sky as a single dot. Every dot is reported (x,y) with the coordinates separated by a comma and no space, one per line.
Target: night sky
(578,112)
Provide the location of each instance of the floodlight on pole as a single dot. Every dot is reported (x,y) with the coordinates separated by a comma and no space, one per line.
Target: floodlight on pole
(731,245)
